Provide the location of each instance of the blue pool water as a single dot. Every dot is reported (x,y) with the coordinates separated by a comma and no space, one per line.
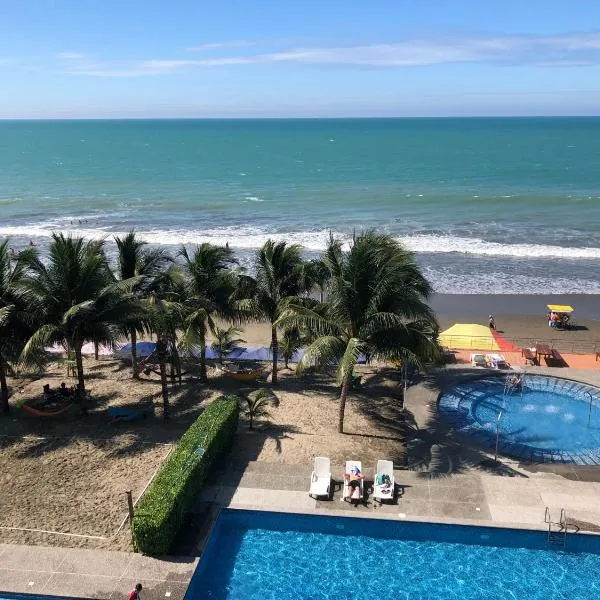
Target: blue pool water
(549,420)
(280,556)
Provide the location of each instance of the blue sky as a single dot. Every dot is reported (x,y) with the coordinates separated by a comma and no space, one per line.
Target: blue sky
(261,58)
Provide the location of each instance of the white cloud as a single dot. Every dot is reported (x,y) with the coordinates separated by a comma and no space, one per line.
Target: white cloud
(568,50)
(222,45)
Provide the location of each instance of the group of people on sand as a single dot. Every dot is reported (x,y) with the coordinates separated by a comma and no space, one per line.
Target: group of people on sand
(63,390)
(558,320)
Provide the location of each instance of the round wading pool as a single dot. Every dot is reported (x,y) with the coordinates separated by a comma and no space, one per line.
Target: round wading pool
(545,419)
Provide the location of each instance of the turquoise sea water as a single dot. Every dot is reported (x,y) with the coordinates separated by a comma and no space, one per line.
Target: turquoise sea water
(280,557)
(495,205)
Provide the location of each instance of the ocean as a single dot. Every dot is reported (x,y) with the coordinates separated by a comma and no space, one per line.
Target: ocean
(489,205)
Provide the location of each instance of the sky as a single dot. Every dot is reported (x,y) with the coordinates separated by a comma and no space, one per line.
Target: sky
(325,58)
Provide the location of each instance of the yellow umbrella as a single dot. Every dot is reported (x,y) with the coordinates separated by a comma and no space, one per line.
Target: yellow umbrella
(560,308)
(463,336)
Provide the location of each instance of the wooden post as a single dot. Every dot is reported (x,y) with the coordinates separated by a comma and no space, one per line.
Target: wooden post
(130,508)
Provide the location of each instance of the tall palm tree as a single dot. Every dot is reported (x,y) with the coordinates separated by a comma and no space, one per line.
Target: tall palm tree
(165,317)
(280,278)
(376,308)
(319,275)
(210,277)
(135,260)
(77,300)
(16,321)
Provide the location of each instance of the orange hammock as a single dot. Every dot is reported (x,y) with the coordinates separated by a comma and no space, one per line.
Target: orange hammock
(45,413)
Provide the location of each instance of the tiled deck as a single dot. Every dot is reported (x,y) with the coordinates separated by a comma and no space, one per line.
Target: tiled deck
(91,573)
(466,498)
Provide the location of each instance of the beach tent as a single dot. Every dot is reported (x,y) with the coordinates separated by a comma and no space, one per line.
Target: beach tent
(469,336)
(475,337)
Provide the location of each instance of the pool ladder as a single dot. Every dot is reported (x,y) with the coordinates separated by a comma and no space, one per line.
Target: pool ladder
(557,530)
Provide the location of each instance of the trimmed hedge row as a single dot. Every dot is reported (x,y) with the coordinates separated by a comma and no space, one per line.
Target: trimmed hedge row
(168,500)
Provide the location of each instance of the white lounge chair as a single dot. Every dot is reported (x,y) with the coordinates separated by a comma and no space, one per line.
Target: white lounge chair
(320,480)
(359,492)
(384,491)
(497,361)
(478,360)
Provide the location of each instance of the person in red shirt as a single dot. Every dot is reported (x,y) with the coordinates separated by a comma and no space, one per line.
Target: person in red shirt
(135,592)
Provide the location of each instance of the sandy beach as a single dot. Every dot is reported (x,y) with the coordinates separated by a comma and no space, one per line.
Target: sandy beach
(521,318)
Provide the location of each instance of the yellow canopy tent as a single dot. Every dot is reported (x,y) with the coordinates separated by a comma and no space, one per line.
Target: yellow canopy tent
(468,337)
(560,308)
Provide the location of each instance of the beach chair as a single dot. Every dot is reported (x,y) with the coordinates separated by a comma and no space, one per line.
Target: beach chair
(478,360)
(359,492)
(384,485)
(497,361)
(320,480)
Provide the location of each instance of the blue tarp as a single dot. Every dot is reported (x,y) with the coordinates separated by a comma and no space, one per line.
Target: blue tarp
(143,349)
(258,353)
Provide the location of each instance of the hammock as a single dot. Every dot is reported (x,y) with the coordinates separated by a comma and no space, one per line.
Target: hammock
(45,413)
(245,376)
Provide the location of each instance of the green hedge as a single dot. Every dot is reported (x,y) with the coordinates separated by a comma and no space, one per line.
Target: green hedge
(167,502)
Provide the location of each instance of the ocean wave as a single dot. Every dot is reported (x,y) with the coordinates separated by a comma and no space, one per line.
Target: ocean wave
(477,246)
(314,240)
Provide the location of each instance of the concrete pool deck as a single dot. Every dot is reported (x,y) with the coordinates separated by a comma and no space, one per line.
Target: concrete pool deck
(73,572)
(446,480)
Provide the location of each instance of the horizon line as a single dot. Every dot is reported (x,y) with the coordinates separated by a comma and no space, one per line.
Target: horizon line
(297,118)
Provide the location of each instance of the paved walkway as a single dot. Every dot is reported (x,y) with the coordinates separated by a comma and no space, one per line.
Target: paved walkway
(91,573)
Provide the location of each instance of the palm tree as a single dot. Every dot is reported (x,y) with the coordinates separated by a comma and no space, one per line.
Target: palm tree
(280,278)
(226,341)
(135,260)
(16,320)
(289,344)
(376,308)
(210,282)
(164,318)
(319,275)
(256,404)
(76,300)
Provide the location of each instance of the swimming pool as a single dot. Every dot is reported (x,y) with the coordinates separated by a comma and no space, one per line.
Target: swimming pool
(548,420)
(254,554)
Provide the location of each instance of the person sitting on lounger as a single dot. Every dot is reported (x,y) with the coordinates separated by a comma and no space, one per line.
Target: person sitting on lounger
(64,390)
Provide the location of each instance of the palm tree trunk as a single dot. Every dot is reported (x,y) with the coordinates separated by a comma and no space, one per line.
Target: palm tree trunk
(81,393)
(96,350)
(203,375)
(79,365)
(275,349)
(164,390)
(251,420)
(134,361)
(343,396)
(3,386)
(161,351)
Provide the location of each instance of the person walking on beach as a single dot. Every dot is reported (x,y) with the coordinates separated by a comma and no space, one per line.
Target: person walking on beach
(492,323)
(135,592)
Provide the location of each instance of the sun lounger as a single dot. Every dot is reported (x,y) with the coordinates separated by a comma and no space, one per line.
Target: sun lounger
(529,355)
(382,488)
(497,361)
(320,480)
(478,360)
(353,494)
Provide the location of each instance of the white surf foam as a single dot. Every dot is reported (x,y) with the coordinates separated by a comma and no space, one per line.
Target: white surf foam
(476,246)
(254,237)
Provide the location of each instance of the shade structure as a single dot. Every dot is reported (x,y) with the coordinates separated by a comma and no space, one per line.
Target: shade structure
(469,336)
(560,308)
